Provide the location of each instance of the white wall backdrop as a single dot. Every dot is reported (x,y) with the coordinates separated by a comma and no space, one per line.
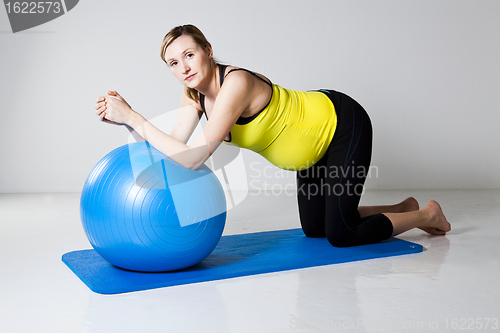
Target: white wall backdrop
(427,72)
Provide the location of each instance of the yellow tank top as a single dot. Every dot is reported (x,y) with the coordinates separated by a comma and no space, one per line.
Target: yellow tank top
(293,132)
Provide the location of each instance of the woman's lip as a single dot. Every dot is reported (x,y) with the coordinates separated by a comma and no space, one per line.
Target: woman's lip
(189,77)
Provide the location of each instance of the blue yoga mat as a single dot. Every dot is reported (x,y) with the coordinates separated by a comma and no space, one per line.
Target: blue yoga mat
(235,255)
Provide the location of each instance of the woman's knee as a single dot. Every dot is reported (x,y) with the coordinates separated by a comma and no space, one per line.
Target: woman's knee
(339,238)
(313,230)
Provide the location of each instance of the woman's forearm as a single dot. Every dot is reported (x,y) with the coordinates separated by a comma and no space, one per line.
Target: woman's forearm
(136,135)
(176,150)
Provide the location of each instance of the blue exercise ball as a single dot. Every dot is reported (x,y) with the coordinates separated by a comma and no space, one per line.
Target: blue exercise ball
(142,211)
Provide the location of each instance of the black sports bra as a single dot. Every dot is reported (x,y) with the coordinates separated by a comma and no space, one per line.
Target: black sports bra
(241,120)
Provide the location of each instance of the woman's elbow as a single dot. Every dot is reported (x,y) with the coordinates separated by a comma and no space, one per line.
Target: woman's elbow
(194,161)
(194,166)
(189,164)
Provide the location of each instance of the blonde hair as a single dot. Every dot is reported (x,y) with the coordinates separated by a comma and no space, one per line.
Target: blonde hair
(198,38)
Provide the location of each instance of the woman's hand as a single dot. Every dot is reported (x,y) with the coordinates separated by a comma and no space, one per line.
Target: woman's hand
(113,109)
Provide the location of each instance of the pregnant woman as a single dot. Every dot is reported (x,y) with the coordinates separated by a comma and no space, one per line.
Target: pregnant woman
(325,136)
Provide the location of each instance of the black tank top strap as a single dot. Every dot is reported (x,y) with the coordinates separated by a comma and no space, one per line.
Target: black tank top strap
(246,70)
(202,101)
(222,69)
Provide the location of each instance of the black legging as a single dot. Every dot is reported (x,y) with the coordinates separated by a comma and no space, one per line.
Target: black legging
(330,190)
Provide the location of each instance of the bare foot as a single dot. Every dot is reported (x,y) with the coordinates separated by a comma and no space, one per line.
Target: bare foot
(436,223)
(408,205)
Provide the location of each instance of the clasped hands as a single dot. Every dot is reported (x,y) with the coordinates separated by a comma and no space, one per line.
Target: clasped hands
(113,109)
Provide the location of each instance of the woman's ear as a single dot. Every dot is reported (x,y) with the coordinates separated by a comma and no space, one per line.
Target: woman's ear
(209,50)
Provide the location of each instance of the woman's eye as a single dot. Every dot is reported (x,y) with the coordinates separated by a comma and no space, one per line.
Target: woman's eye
(173,63)
(189,55)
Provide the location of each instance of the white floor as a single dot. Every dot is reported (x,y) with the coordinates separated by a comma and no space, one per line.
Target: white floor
(452,286)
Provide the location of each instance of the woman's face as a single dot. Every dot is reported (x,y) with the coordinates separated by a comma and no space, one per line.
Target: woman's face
(188,61)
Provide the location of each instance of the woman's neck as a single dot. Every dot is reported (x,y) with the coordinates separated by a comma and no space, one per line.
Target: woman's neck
(211,88)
